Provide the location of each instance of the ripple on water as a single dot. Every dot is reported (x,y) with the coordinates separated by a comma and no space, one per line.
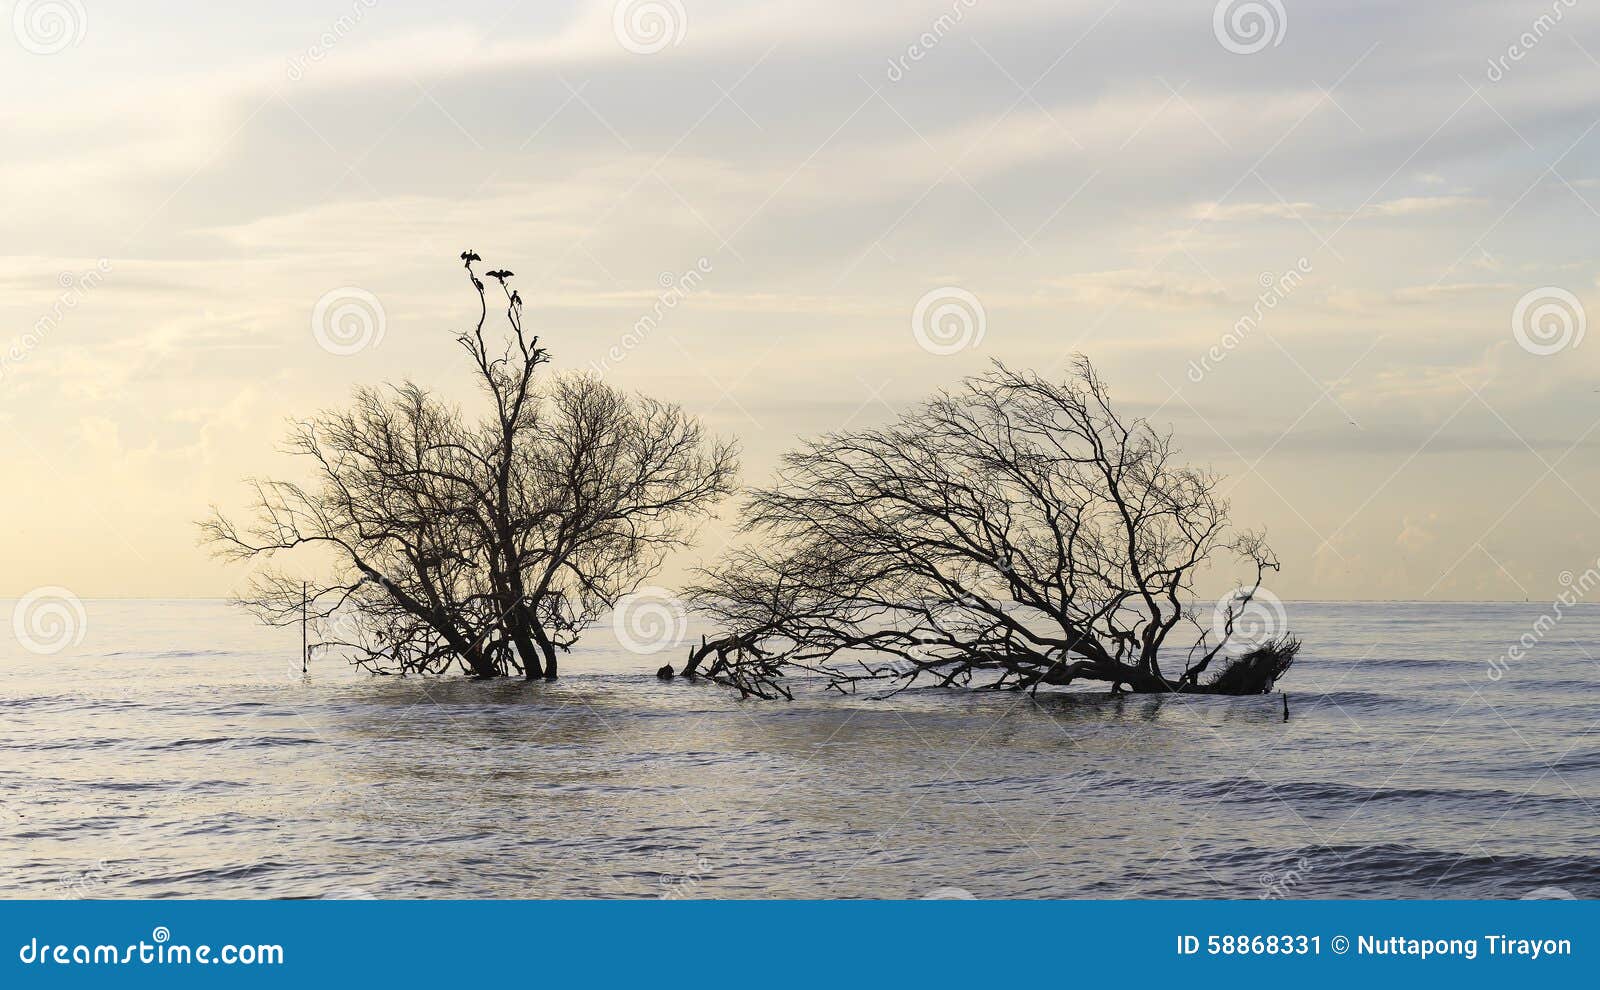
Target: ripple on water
(237,779)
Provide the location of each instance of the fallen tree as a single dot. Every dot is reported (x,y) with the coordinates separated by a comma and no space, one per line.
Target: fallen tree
(431,541)
(1010,534)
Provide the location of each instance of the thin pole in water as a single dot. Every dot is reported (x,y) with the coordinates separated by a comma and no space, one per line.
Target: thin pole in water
(305,650)
(1285,705)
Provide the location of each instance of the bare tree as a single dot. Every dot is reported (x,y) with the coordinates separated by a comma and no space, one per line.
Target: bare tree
(487,546)
(1012,533)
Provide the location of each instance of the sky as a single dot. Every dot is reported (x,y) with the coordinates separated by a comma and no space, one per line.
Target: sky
(1344,251)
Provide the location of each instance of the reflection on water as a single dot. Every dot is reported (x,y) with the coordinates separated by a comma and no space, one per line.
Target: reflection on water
(178,751)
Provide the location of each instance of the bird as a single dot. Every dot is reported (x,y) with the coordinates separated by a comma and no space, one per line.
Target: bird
(470,256)
(499,273)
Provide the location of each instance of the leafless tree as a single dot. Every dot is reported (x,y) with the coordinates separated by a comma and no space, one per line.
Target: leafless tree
(488,545)
(1011,533)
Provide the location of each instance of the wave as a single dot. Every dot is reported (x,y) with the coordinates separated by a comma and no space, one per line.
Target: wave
(237,742)
(1403,870)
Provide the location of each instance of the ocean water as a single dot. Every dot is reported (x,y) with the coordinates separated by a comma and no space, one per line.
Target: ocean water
(177,751)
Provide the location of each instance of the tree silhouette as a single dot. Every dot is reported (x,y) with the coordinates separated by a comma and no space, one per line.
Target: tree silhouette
(441,542)
(1012,533)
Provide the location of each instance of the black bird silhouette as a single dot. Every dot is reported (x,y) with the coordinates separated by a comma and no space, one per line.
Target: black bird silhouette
(516,298)
(470,256)
(500,274)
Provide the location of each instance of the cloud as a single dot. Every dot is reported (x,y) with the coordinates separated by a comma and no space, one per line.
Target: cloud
(1402,207)
(1150,288)
(1413,205)
(1121,199)
(1417,533)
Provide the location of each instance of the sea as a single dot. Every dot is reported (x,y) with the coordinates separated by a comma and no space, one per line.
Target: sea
(165,749)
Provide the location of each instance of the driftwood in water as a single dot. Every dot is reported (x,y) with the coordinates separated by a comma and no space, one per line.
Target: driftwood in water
(1257,671)
(1253,672)
(737,662)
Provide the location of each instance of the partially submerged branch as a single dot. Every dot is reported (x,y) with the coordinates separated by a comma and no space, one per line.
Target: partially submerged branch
(1013,534)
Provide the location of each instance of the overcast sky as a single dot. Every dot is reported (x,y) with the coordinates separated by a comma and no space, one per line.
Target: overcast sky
(1406,407)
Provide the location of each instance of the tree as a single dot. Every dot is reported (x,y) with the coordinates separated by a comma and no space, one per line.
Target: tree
(1014,532)
(488,545)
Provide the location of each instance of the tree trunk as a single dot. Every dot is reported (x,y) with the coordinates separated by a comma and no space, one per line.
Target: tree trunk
(473,654)
(697,656)
(1253,673)
(528,651)
(548,649)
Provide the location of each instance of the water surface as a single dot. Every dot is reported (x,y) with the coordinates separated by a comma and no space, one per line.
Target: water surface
(177,751)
